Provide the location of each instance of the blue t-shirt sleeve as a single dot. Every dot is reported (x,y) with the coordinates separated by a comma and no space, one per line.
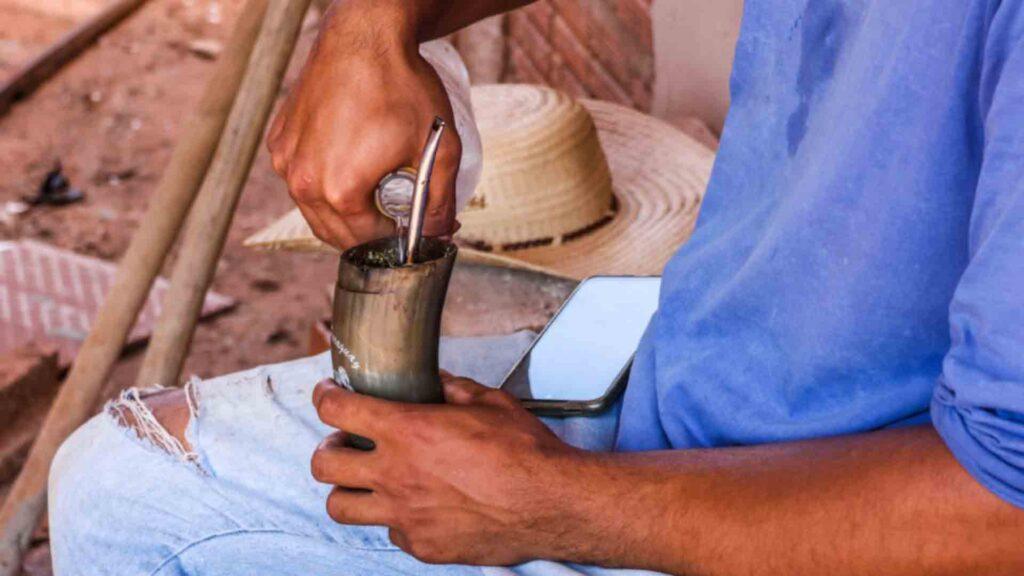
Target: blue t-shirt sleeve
(978,405)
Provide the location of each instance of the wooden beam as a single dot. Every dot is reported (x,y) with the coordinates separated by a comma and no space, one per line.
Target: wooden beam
(210,219)
(39,69)
(139,267)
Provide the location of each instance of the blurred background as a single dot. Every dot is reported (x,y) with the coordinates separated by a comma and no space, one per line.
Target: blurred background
(103,125)
(110,118)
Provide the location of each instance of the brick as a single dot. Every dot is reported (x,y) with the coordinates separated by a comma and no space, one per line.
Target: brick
(540,13)
(532,41)
(596,25)
(521,69)
(597,48)
(642,97)
(588,69)
(635,16)
(563,79)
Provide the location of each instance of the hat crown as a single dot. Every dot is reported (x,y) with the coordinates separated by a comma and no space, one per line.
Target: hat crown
(545,176)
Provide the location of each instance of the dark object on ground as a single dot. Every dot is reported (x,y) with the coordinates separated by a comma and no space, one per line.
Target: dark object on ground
(70,45)
(139,267)
(56,189)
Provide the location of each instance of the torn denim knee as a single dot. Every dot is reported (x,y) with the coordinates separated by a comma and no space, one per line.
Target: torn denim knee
(145,425)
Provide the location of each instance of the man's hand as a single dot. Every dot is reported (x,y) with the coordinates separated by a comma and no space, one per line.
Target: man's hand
(477,481)
(481,481)
(361,109)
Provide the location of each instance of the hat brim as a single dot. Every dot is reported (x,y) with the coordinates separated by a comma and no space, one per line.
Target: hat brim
(659,175)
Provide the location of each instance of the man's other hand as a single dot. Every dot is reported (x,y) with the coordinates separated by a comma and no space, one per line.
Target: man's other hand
(362,108)
(478,480)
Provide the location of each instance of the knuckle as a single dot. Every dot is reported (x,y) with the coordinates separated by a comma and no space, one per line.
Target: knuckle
(299,195)
(397,538)
(274,143)
(441,208)
(279,163)
(344,199)
(320,465)
(428,552)
(321,234)
(530,442)
(408,487)
(403,487)
(417,549)
(335,509)
(302,179)
(503,397)
(319,231)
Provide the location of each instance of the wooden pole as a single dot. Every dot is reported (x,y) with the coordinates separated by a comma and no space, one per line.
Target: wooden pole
(40,68)
(139,266)
(208,224)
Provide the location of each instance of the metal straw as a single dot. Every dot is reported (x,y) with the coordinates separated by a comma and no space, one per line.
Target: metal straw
(422,191)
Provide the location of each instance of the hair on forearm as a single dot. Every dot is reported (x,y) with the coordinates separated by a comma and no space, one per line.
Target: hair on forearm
(442,17)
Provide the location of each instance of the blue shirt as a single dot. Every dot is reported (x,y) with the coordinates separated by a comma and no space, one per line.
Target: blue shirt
(859,259)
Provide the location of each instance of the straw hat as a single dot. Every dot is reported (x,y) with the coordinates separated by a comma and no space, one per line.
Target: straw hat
(569,187)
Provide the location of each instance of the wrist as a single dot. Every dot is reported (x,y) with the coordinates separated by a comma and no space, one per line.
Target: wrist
(609,511)
(575,500)
(376,25)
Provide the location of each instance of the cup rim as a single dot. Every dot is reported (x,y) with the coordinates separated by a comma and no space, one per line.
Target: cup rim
(434,248)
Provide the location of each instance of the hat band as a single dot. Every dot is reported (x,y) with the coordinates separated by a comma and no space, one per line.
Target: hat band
(566,238)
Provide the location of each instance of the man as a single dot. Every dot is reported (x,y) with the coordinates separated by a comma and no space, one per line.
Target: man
(833,384)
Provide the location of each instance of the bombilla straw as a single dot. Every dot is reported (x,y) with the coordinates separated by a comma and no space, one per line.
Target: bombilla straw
(422,191)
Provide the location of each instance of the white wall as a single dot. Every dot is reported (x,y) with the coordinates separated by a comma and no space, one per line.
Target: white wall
(694,42)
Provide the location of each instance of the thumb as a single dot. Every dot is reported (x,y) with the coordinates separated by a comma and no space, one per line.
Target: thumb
(465,392)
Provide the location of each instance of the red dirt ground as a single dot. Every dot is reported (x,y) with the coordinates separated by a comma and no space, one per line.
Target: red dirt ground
(111,117)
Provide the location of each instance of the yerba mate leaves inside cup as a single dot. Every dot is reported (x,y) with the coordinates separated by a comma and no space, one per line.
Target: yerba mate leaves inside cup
(384,253)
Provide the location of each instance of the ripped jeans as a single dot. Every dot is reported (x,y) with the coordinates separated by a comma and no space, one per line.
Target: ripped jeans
(242,500)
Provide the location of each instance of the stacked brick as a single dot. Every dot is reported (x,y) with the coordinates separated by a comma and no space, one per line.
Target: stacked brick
(588,48)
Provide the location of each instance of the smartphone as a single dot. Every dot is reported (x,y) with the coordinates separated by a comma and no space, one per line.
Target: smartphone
(580,362)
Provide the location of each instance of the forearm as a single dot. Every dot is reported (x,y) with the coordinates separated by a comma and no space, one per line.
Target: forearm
(421,20)
(436,18)
(895,502)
